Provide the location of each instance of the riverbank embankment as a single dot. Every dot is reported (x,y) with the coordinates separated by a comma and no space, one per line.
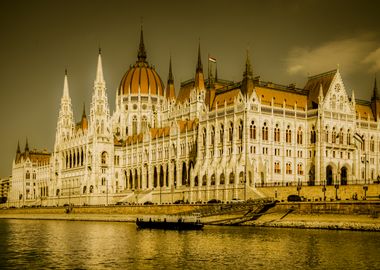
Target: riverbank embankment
(339,215)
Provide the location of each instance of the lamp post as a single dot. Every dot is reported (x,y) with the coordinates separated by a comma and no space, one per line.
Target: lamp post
(336,191)
(365,188)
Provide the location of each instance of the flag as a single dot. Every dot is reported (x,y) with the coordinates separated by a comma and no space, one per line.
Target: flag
(211,59)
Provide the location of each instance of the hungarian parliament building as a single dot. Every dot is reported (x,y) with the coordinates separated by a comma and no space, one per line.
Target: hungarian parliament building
(215,139)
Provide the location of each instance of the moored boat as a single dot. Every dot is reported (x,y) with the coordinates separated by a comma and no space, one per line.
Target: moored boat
(170,223)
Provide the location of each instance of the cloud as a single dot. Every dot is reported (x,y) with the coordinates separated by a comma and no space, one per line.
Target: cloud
(351,54)
(373,59)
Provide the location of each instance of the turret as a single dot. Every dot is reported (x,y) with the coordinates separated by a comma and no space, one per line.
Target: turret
(170,91)
(65,124)
(199,77)
(247,82)
(375,101)
(99,111)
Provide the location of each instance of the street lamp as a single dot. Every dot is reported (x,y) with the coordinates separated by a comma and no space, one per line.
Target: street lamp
(365,188)
(324,192)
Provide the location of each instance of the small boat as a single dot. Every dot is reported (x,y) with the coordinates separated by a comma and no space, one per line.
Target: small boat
(170,223)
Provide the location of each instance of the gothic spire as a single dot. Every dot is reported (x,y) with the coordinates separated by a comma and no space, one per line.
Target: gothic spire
(170,91)
(199,64)
(26,145)
(248,69)
(65,86)
(84,111)
(216,73)
(141,55)
(170,77)
(99,69)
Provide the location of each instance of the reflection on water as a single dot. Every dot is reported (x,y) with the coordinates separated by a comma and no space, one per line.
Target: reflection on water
(100,245)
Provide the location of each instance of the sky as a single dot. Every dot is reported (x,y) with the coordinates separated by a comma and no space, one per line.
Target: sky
(287,41)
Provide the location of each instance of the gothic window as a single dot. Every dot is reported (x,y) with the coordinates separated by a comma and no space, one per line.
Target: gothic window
(299,169)
(341,103)
(277,133)
(144,123)
(252,130)
(213,179)
(288,168)
(222,179)
(313,136)
(212,137)
(372,145)
(299,135)
(241,130)
(232,178)
(134,125)
(265,132)
(231,131)
(103,181)
(327,134)
(104,158)
(341,136)
(288,135)
(27,175)
(333,134)
(277,168)
(348,137)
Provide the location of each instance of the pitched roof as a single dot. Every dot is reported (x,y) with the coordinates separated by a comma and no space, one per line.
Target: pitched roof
(280,97)
(363,108)
(314,82)
(226,97)
(188,125)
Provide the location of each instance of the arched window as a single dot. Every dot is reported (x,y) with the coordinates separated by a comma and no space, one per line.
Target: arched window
(288,135)
(372,145)
(277,133)
(134,125)
(241,130)
(341,136)
(204,180)
(333,134)
(265,132)
(299,169)
(348,137)
(327,134)
(144,123)
(277,168)
(104,158)
(232,178)
(222,179)
(288,168)
(213,179)
(221,134)
(231,132)
(299,136)
(27,175)
(252,130)
(313,136)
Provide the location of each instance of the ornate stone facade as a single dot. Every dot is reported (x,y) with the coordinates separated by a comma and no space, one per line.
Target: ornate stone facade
(216,140)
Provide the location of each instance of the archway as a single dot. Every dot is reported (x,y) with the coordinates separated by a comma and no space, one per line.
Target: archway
(343,176)
(329,176)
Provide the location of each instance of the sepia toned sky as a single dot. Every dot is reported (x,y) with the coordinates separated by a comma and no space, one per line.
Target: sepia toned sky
(287,41)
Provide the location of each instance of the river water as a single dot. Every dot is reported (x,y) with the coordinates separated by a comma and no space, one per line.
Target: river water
(43,244)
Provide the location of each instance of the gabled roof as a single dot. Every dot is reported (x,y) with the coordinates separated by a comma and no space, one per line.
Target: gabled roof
(314,83)
(225,98)
(363,108)
(280,97)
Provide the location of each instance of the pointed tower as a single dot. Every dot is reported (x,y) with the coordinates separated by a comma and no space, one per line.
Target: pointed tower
(65,123)
(170,91)
(99,112)
(18,152)
(375,101)
(141,54)
(247,84)
(199,77)
(26,148)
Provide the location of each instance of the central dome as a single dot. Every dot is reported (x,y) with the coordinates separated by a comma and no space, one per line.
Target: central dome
(141,78)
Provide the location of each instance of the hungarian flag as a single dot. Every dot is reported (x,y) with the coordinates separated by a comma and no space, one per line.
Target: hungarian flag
(211,59)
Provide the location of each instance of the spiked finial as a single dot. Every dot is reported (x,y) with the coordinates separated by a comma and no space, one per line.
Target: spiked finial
(26,145)
(141,55)
(199,64)
(216,73)
(248,69)
(99,69)
(65,86)
(170,77)
(18,147)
